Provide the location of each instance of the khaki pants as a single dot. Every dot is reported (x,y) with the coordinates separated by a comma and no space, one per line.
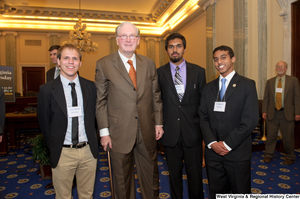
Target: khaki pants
(75,161)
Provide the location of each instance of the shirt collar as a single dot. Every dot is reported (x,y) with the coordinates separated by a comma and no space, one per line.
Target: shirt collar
(125,59)
(282,78)
(66,82)
(173,66)
(228,77)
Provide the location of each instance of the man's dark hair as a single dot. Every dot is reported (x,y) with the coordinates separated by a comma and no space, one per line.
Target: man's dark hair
(225,48)
(54,47)
(174,36)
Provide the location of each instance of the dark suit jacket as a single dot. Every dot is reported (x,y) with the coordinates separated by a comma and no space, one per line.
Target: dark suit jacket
(181,116)
(50,74)
(2,111)
(235,125)
(291,98)
(120,107)
(53,118)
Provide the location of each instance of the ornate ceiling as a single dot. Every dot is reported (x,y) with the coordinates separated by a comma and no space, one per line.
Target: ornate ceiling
(153,17)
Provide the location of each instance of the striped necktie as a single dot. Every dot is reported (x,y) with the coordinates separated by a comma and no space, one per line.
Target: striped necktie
(178,81)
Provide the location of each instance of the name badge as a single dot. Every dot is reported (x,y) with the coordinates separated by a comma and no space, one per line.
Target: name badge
(179,88)
(278,90)
(74,111)
(219,106)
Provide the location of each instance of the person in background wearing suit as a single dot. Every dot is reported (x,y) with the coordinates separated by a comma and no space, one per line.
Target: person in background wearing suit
(129,115)
(228,115)
(181,85)
(2,113)
(66,115)
(54,72)
(281,108)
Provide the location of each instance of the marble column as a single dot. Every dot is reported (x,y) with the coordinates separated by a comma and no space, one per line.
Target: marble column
(286,13)
(262,47)
(240,36)
(112,43)
(54,39)
(210,42)
(11,52)
(150,47)
(163,56)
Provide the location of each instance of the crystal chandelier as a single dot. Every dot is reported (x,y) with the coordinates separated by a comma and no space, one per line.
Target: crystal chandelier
(80,37)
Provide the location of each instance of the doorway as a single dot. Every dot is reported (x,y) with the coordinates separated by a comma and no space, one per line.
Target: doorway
(295,64)
(32,77)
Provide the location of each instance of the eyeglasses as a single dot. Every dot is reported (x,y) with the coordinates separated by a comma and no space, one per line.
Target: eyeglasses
(131,37)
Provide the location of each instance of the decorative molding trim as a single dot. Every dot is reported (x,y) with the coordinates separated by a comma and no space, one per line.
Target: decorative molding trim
(111,36)
(10,33)
(284,12)
(55,34)
(206,3)
(151,38)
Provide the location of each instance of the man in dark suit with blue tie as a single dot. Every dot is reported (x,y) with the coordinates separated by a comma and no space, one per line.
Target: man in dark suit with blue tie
(66,115)
(181,85)
(229,113)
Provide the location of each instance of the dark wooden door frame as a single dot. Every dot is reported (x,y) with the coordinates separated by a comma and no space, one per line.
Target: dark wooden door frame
(295,55)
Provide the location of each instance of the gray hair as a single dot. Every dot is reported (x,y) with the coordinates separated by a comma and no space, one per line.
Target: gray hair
(126,22)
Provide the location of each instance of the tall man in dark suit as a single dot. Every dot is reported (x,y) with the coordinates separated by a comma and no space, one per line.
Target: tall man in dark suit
(54,72)
(229,114)
(2,112)
(66,114)
(181,85)
(129,114)
(281,108)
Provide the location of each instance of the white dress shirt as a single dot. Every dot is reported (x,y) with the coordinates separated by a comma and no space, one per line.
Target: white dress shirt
(82,137)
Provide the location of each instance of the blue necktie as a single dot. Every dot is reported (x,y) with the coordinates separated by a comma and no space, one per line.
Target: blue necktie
(223,88)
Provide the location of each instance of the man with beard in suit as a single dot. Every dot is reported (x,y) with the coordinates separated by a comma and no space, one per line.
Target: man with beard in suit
(281,108)
(181,85)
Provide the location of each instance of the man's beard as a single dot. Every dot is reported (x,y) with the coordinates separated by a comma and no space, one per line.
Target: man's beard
(175,59)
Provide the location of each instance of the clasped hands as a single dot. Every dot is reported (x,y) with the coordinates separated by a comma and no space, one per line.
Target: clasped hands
(219,148)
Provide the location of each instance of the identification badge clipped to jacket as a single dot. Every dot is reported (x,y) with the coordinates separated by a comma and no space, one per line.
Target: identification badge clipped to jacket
(220,106)
(74,111)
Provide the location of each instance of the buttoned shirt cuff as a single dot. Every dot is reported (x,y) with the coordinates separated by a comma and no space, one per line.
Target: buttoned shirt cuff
(104,132)
(227,147)
(160,125)
(209,145)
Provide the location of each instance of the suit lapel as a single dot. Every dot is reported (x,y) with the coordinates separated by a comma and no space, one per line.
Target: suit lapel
(140,71)
(59,95)
(189,79)
(287,85)
(85,92)
(215,89)
(119,65)
(272,84)
(232,86)
(168,76)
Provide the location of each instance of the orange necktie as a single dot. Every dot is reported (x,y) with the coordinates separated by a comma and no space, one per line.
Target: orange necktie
(132,73)
(278,96)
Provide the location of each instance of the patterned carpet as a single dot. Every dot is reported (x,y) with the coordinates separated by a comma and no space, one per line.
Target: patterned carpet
(18,178)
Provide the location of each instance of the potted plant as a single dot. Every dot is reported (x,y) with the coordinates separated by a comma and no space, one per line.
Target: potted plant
(41,155)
